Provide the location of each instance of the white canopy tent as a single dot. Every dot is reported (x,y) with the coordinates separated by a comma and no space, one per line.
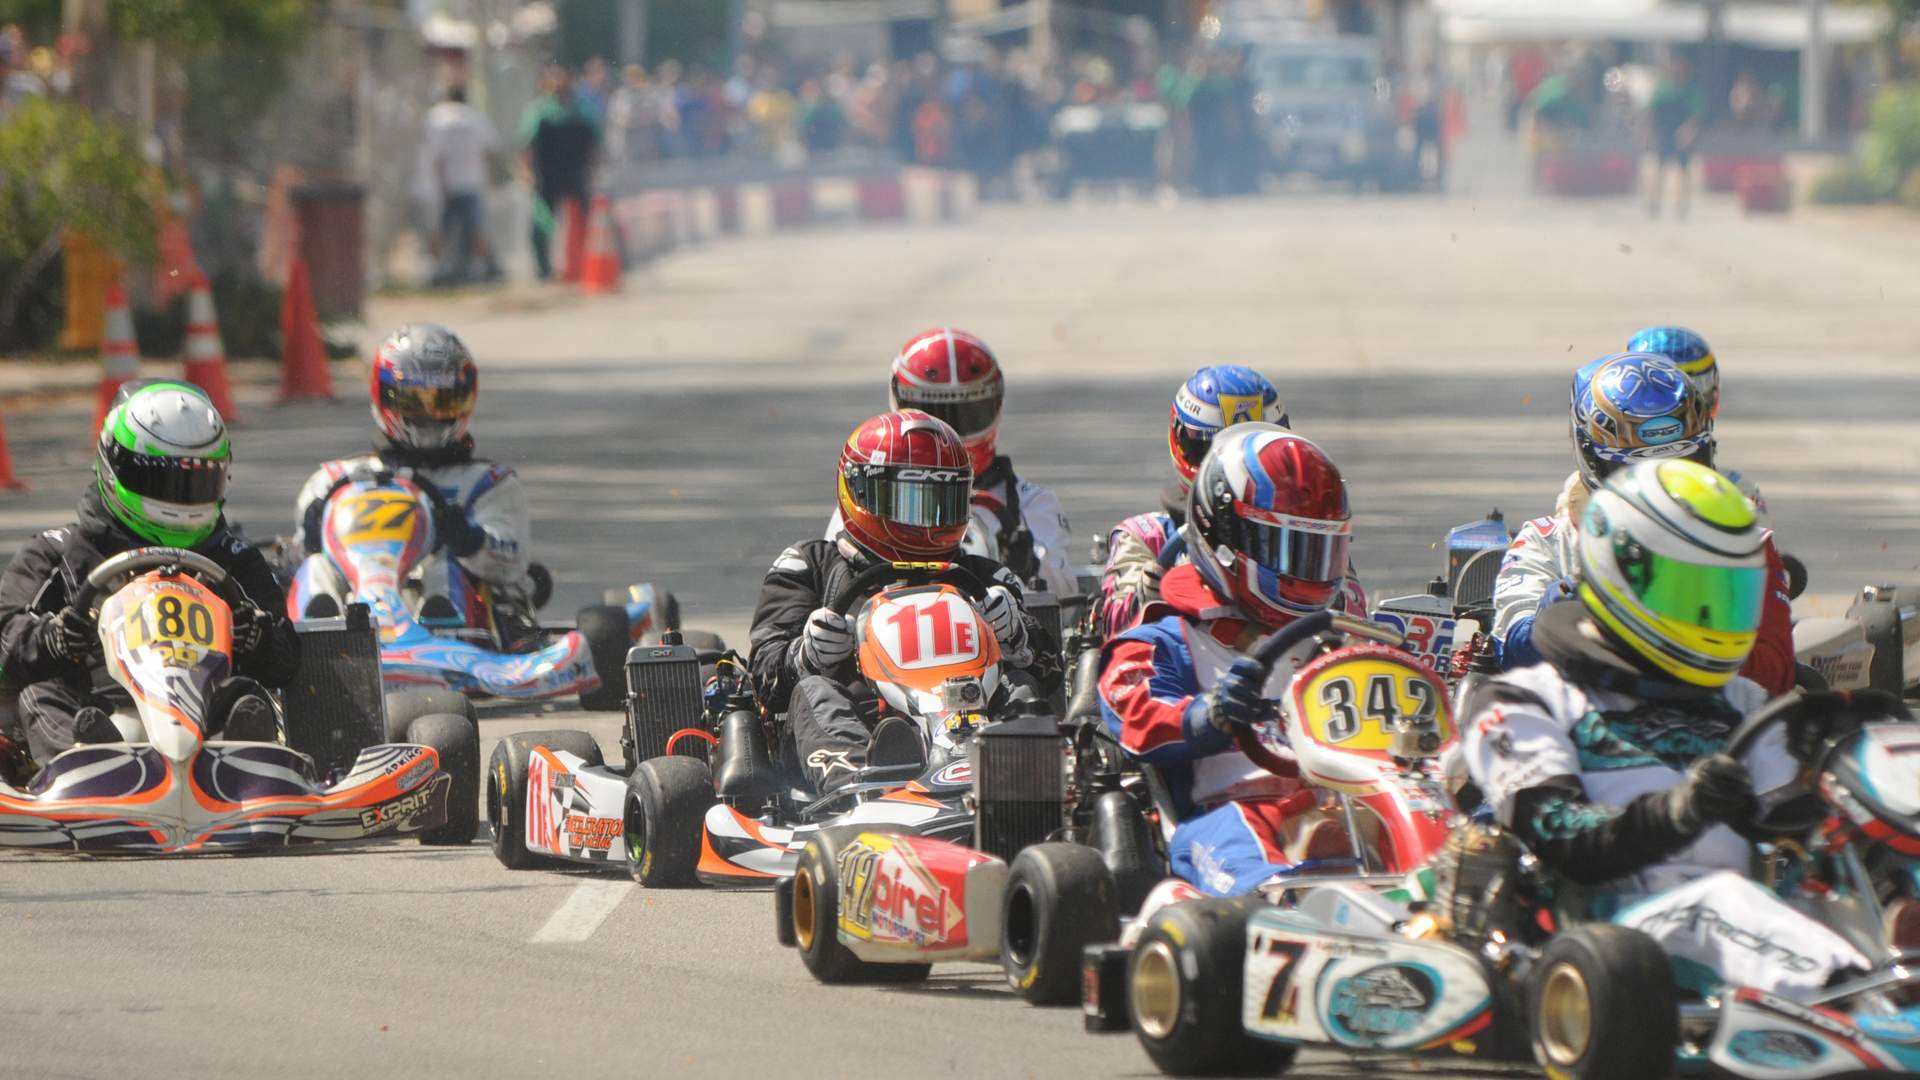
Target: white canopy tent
(1747,22)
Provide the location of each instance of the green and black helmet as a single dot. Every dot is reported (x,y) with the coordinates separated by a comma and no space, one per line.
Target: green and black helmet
(163,463)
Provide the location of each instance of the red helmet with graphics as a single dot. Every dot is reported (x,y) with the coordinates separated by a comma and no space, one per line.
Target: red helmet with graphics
(1267,522)
(905,487)
(952,375)
(424,385)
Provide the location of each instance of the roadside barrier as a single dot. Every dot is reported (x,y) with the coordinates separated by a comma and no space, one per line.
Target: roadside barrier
(303,360)
(573,266)
(206,365)
(119,355)
(1763,187)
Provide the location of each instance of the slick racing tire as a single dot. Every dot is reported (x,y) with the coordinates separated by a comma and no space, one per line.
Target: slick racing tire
(815,896)
(1059,899)
(406,706)
(1601,1003)
(606,630)
(455,738)
(1184,992)
(667,801)
(507,789)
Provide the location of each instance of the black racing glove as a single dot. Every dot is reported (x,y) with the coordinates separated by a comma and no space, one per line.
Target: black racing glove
(250,629)
(1717,791)
(457,532)
(69,635)
(1237,701)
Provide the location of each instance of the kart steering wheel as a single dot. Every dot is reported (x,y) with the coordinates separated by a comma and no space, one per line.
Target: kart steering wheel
(108,576)
(1815,722)
(1277,644)
(866,581)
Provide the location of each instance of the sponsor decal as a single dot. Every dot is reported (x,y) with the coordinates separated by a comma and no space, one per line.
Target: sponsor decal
(1382,1002)
(562,781)
(1239,408)
(888,894)
(593,833)
(1775,1049)
(1699,918)
(829,760)
(1661,430)
(1819,1021)
(1899,1028)
(412,771)
(396,814)
(955,774)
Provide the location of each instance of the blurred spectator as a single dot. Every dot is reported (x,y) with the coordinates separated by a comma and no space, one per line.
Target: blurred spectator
(1750,107)
(1672,125)
(461,141)
(592,89)
(17,80)
(822,124)
(561,141)
(633,118)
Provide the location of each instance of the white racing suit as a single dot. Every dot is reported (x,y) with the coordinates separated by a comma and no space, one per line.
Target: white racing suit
(1565,766)
(493,499)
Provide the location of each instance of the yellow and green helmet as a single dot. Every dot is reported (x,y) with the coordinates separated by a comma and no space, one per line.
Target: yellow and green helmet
(162,467)
(1671,563)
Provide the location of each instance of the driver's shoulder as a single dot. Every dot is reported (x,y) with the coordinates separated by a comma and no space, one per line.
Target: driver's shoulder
(1745,695)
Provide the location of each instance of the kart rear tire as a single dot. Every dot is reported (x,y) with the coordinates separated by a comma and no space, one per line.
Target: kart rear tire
(816,915)
(507,789)
(1060,899)
(704,642)
(406,706)
(607,632)
(1184,992)
(1601,1003)
(667,801)
(455,738)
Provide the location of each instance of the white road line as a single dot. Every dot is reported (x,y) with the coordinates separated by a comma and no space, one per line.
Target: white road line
(582,912)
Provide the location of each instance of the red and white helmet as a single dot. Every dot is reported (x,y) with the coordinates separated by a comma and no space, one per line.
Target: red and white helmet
(1267,523)
(424,385)
(905,487)
(952,375)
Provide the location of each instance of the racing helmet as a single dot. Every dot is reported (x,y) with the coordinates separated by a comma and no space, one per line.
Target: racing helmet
(1671,563)
(162,464)
(1690,353)
(1267,522)
(905,487)
(424,385)
(1632,407)
(951,375)
(1211,399)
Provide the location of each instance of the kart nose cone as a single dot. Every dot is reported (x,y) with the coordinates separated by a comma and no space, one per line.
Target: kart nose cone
(1156,990)
(1566,1015)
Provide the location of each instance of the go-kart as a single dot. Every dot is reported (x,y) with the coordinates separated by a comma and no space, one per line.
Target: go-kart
(376,528)
(1876,644)
(1365,723)
(165,624)
(1457,605)
(1500,965)
(703,797)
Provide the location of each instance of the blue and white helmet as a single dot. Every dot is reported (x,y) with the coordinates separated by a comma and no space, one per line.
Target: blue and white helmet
(1214,398)
(1636,407)
(1690,352)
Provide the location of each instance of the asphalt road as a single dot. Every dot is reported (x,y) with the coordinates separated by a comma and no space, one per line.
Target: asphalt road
(684,432)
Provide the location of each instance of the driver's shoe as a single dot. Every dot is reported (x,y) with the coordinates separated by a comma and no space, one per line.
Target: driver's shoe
(244,712)
(895,743)
(322,606)
(438,611)
(93,725)
(516,629)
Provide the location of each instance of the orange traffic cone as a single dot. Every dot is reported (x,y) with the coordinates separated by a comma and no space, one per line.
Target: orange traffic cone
(8,481)
(206,358)
(576,252)
(119,356)
(602,273)
(303,360)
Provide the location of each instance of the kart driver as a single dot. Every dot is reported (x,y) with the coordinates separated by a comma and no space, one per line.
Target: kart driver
(1210,400)
(952,375)
(1268,526)
(904,487)
(1627,407)
(160,480)
(424,387)
(1607,758)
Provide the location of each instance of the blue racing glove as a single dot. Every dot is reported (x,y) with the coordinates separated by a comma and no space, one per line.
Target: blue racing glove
(1518,651)
(1237,701)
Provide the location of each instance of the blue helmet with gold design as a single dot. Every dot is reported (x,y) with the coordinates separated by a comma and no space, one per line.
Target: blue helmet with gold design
(1214,398)
(1636,407)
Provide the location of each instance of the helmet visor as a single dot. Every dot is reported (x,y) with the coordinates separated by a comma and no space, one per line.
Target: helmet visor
(183,480)
(910,496)
(1298,553)
(1722,598)
(1192,442)
(969,418)
(428,403)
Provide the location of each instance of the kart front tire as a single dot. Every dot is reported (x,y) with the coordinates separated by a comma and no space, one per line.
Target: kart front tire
(608,636)
(1060,899)
(816,915)
(1601,1004)
(457,741)
(1184,992)
(507,789)
(667,801)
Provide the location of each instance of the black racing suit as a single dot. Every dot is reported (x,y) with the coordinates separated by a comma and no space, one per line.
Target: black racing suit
(49,570)
(831,715)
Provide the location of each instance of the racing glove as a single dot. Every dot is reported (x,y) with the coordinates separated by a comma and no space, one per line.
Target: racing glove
(250,628)
(1237,700)
(457,532)
(68,635)
(1003,614)
(826,643)
(1717,790)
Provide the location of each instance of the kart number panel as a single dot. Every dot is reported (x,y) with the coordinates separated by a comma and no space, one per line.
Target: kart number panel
(574,811)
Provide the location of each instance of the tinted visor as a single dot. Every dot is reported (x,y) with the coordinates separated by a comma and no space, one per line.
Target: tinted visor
(969,418)
(1723,598)
(188,481)
(1193,442)
(1297,553)
(926,497)
(428,403)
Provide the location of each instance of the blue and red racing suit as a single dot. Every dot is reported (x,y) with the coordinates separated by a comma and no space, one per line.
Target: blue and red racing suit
(1239,825)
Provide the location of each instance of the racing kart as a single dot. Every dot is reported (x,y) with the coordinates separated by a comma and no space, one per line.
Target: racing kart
(174,785)
(376,528)
(1366,722)
(1876,644)
(1498,962)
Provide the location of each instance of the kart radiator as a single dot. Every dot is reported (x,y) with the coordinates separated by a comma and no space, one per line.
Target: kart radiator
(1019,784)
(335,706)
(663,696)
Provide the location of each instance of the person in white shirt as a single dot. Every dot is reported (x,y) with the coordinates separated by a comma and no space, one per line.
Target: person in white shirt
(460,140)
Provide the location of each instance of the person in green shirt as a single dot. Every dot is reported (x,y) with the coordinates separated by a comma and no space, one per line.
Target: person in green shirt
(562,139)
(1673,127)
